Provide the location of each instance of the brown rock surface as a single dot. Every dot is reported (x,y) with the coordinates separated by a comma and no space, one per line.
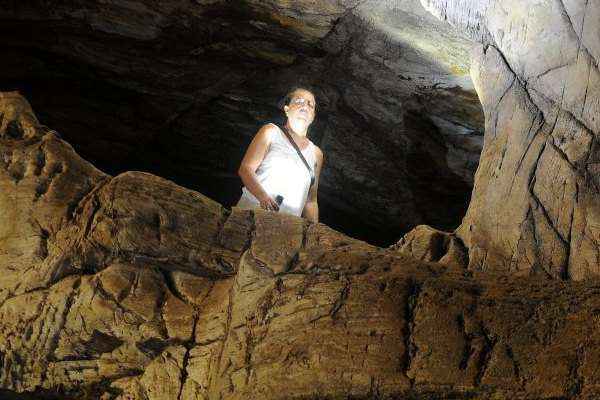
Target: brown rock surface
(427,244)
(535,207)
(147,290)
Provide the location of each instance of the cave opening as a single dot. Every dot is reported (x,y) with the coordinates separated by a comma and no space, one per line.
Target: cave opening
(398,119)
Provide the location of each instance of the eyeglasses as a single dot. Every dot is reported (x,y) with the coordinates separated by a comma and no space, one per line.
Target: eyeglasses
(300,101)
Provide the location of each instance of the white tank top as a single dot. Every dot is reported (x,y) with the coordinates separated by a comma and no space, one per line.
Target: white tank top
(282,172)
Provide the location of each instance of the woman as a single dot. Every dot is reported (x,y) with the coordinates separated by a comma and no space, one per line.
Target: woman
(272,167)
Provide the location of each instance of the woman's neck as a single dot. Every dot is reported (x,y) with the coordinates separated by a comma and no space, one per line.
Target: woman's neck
(289,128)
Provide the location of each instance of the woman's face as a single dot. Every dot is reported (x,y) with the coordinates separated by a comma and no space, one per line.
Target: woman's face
(300,111)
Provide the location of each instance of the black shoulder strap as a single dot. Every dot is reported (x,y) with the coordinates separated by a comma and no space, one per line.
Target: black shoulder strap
(310,171)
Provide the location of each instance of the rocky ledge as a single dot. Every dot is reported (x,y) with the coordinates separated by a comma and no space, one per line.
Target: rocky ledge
(131,287)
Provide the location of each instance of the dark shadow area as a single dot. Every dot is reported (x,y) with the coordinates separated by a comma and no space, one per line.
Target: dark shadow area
(119,130)
(10,395)
(85,393)
(185,106)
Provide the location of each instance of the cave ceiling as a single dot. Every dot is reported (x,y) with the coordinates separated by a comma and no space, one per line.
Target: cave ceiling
(178,88)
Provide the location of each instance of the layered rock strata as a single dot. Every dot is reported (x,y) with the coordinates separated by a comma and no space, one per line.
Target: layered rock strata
(535,207)
(131,287)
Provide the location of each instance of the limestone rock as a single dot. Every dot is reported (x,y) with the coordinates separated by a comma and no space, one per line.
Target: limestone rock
(145,307)
(427,244)
(535,204)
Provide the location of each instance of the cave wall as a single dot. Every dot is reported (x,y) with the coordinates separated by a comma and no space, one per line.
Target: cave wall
(132,286)
(178,89)
(535,204)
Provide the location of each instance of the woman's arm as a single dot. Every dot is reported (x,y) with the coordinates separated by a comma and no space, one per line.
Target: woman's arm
(311,208)
(250,163)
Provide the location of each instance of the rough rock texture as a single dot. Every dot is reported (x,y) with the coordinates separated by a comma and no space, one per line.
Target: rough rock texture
(427,244)
(536,202)
(131,287)
(178,88)
(134,287)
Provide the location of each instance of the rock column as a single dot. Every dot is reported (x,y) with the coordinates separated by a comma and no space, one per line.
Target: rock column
(535,205)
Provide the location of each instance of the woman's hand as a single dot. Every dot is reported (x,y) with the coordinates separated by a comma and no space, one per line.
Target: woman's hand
(267,203)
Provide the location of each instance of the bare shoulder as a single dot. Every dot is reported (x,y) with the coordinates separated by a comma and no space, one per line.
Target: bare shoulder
(266,132)
(318,153)
(270,128)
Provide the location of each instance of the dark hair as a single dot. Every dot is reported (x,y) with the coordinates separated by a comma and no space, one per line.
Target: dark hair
(285,101)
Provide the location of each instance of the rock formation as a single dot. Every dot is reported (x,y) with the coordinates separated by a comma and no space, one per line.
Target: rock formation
(535,206)
(178,88)
(131,287)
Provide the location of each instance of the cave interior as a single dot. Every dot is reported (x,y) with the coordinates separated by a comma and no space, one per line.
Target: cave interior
(180,90)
